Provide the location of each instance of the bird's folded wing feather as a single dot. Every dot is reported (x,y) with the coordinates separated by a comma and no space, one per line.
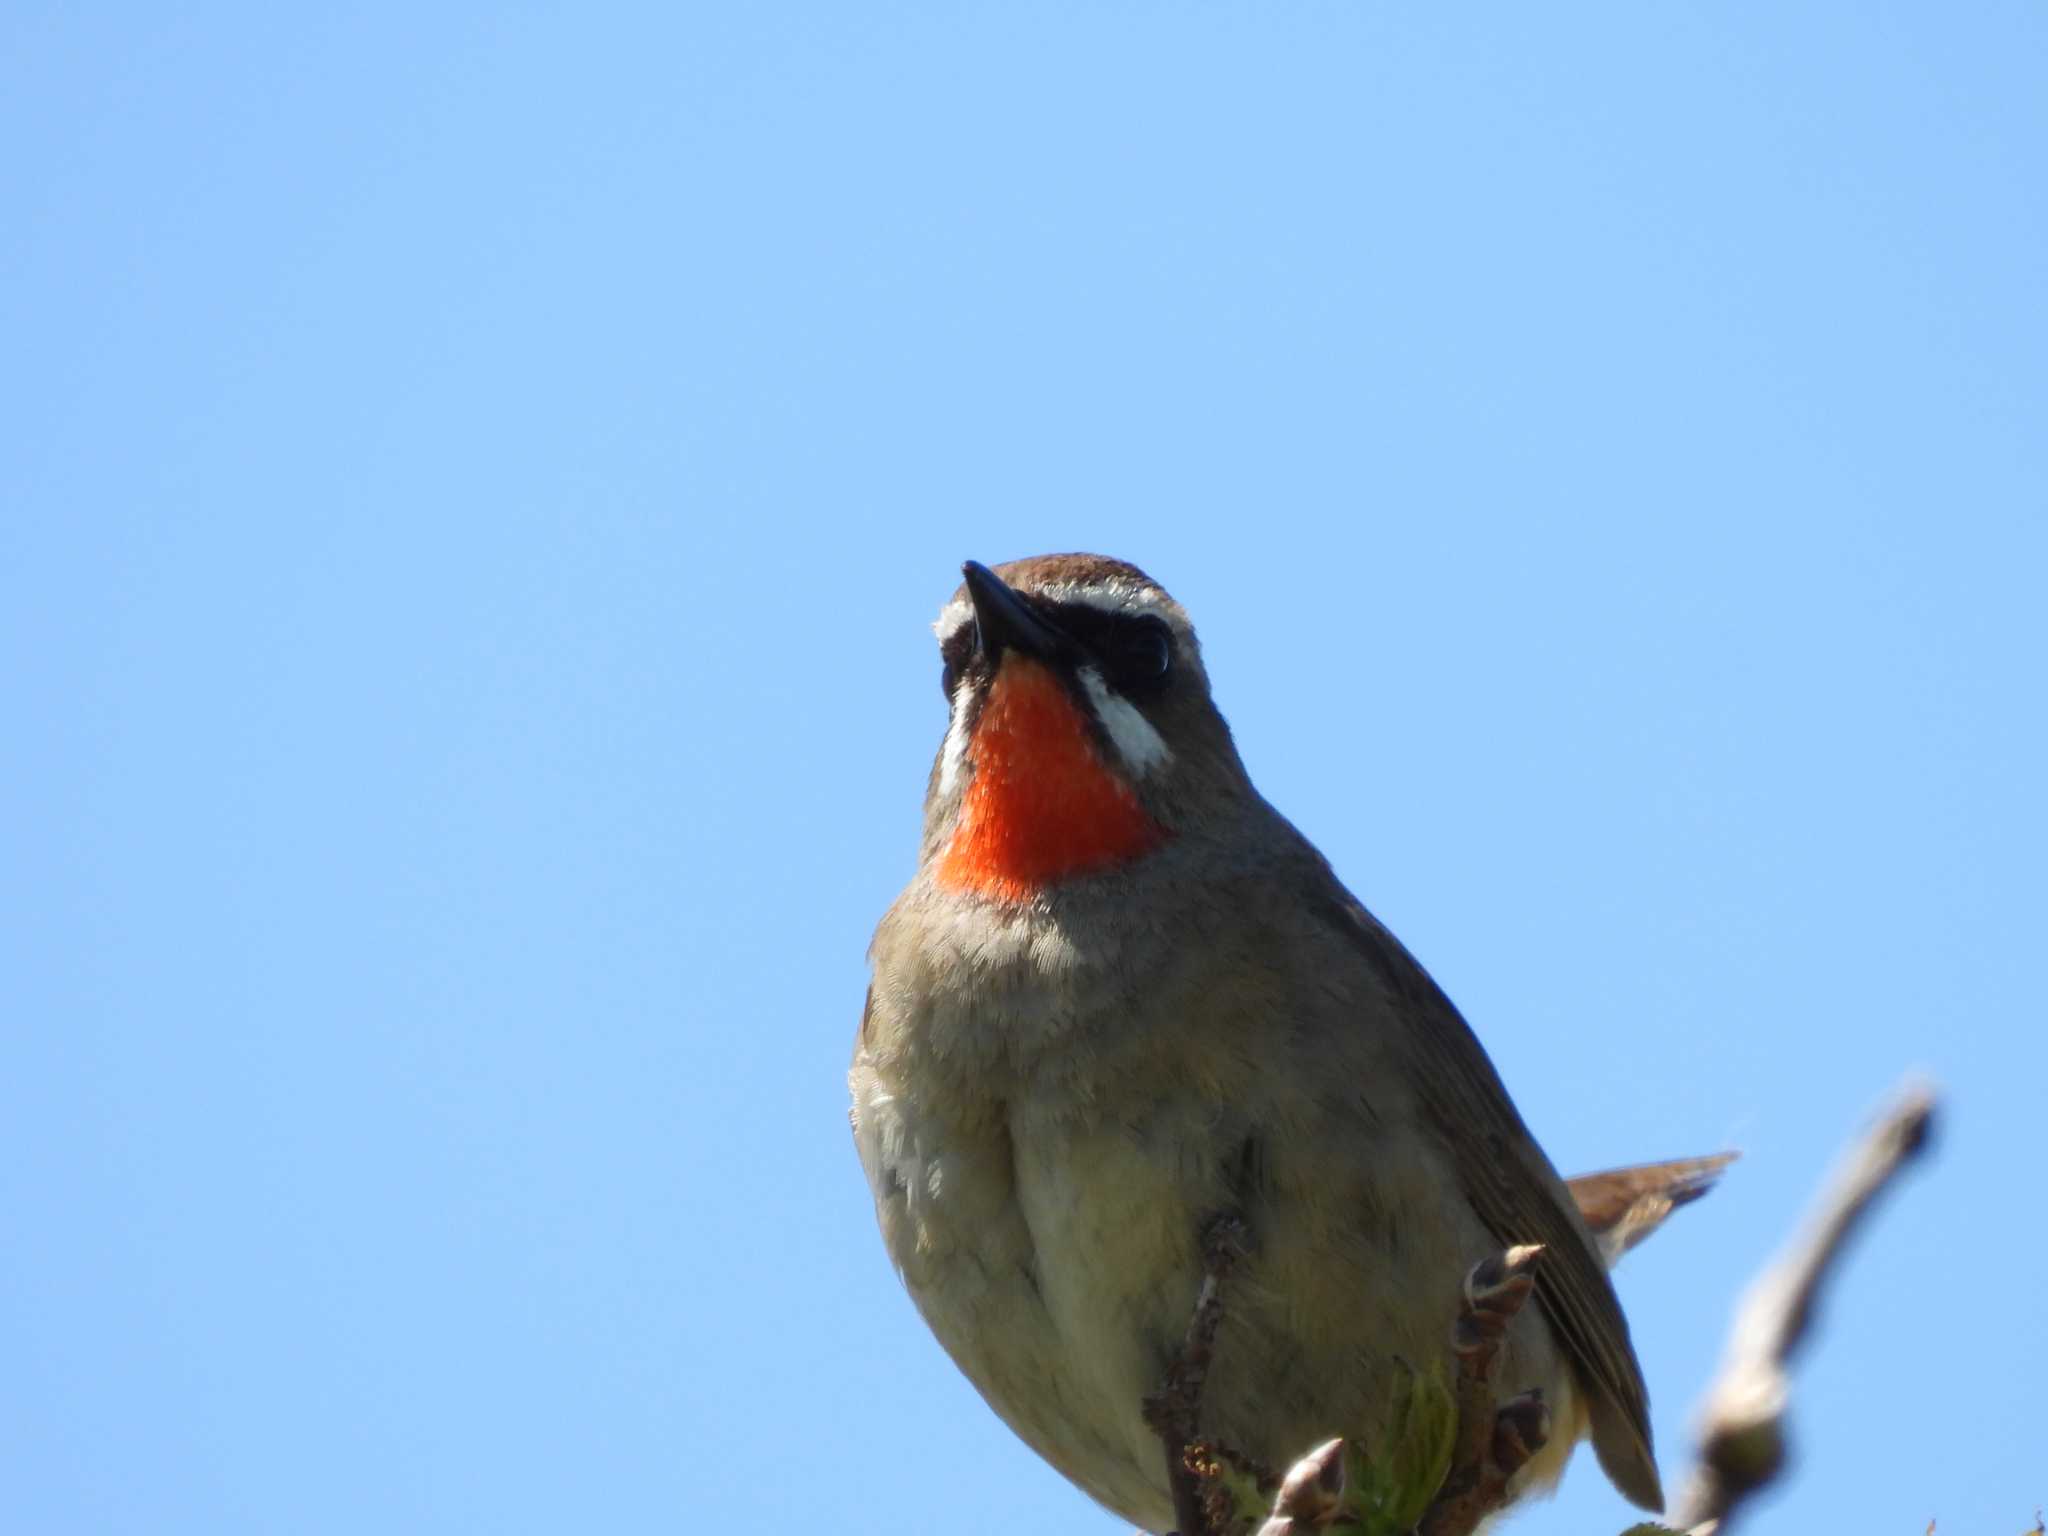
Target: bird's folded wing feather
(1519,1197)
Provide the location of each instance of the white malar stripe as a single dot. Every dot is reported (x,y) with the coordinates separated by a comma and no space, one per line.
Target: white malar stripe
(954,616)
(953,757)
(1140,746)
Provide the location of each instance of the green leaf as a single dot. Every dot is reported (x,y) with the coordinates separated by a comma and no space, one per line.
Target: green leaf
(1388,1493)
(1424,1436)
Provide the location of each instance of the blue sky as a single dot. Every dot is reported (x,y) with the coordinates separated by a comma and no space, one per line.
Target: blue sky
(474,489)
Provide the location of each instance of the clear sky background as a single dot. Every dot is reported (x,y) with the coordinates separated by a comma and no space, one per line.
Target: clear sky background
(473,488)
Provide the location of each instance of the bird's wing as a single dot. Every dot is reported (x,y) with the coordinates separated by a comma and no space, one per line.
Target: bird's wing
(1622,1206)
(1520,1198)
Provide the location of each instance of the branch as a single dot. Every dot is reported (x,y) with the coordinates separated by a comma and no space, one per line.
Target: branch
(1174,1412)
(1493,1443)
(1742,1417)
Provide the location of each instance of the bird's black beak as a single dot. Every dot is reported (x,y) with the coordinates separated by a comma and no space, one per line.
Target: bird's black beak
(1003,620)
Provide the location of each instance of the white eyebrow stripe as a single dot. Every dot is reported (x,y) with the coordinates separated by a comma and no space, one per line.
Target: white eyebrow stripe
(1114,596)
(1136,740)
(952,618)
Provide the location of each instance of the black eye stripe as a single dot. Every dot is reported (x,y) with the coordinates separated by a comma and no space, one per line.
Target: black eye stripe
(1102,631)
(1134,650)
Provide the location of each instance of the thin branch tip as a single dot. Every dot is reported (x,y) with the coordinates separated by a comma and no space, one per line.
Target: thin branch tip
(1742,1436)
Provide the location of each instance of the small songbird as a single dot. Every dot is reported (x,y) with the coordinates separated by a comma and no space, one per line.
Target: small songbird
(1123,996)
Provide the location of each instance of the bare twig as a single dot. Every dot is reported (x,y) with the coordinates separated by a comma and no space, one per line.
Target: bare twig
(1492,1445)
(1495,1292)
(1175,1410)
(1742,1418)
(1310,1494)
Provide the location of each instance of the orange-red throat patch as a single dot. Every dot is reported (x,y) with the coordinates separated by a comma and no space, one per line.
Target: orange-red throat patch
(1042,804)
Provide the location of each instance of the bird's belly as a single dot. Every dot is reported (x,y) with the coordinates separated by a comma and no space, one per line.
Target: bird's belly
(1058,1264)
(1003,1253)
(1115,1216)
(1352,1279)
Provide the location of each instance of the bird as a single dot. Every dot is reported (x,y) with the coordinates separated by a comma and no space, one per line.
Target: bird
(1122,997)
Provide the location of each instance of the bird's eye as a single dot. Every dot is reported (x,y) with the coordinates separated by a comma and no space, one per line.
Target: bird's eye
(1144,652)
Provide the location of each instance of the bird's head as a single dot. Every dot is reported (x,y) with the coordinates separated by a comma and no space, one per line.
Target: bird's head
(1081,737)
